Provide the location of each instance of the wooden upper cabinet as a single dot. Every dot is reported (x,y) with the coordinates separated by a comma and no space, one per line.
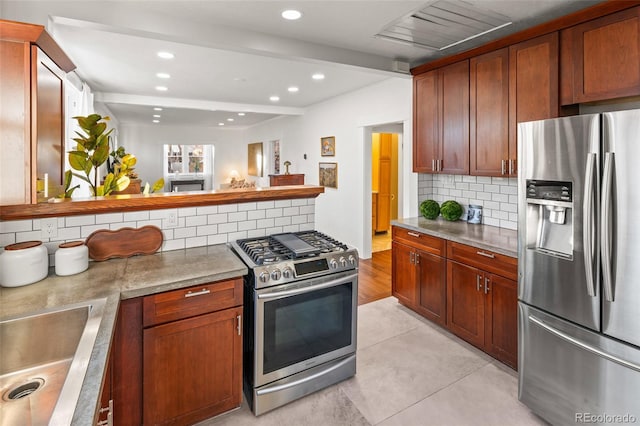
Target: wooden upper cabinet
(600,59)
(454,145)
(426,128)
(489,114)
(441,120)
(533,85)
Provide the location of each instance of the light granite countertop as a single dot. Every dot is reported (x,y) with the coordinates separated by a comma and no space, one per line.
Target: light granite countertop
(499,240)
(115,280)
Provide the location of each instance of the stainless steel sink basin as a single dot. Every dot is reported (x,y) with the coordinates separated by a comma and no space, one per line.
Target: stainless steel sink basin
(43,361)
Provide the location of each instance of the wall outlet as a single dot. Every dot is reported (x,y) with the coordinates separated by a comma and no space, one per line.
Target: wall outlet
(171,219)
(49,227)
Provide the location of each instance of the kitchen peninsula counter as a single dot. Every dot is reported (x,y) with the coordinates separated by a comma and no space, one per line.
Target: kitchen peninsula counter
(499,240)
(116,280)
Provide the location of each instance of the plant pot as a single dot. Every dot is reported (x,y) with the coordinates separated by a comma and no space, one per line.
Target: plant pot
(133,188)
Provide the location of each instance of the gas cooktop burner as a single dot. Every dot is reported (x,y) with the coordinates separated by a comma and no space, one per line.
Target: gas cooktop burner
(287,246)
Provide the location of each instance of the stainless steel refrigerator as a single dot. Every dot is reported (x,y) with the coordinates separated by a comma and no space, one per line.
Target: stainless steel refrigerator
(579,268)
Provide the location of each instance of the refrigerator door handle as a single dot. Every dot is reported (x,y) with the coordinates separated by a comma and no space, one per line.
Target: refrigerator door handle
(605,226)
(564,336)
(589,223)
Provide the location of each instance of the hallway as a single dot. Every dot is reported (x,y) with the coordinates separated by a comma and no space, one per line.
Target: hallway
(374,277)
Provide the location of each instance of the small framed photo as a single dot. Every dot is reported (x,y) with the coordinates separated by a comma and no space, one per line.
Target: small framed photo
(328,146)
(328,174)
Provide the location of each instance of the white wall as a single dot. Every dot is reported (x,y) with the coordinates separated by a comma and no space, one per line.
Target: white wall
(146,143)
(341,212)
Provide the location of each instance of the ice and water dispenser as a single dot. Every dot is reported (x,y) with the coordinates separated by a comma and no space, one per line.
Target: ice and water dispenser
(550,216)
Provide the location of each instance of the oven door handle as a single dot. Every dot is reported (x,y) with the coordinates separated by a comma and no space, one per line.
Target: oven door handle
(305,379)
(295,291)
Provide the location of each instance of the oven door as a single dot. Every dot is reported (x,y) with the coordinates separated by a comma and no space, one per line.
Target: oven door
(304,324)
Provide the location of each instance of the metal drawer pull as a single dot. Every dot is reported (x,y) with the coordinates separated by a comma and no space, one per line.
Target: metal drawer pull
(503,168)
(239,317)
(486,286)
(414,234)
(478,282)
(489,255)
(197,293)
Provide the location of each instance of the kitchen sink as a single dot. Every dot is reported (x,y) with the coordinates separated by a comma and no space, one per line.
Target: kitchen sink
(43,360)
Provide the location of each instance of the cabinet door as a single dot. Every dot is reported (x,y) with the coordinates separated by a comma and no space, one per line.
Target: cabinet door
(501,319)
(426,128)
(454,104)
(465,302)
(192,368)
(15,169)
(433,286)
(601,58)
(533,86)
(404,284)
(489,114)
(104,414)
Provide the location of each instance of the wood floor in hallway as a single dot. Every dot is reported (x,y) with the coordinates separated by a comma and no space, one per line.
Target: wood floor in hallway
(374,277)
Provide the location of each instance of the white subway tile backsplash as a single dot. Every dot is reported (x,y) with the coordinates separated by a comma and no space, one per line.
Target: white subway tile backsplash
(197,226)
(497,196)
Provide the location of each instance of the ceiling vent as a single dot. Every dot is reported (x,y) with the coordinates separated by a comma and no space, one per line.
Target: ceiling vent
(444,24)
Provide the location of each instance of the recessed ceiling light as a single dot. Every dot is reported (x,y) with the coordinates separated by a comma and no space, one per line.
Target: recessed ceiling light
(157,109)
(156,115)
(291,15)
(274,98)
(318,76)
(241,114)
(230,119)
(162,88)
(165,55)
(156,121)
(163,75)
(293,89)
(220,124)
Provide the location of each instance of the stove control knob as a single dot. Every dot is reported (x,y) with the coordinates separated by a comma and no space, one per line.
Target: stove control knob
(287,272)
(333,264)
(352,260)
(343,262)
(276,274)
(264,276)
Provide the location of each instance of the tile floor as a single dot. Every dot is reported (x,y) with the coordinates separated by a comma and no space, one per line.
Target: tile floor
(409,373)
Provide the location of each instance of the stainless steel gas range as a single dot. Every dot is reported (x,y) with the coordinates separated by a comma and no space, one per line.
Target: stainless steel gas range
(300,310)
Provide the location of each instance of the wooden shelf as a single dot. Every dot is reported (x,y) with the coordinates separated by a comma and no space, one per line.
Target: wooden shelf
(167,200)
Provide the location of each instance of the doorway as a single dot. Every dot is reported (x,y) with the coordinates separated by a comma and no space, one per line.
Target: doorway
(384,188)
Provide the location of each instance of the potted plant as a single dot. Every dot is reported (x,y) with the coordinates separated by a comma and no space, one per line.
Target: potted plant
(91,151)
(118,159)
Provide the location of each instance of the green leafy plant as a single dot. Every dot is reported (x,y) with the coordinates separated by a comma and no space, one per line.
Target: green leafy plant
(92,150)
(451,210)
(157,186)
(119,158)
(430,209)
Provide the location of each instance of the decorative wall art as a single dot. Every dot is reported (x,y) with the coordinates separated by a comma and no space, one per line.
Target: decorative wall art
(328,174)
(254,160)
(328,146)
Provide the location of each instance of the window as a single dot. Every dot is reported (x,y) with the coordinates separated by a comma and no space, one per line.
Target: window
(185,159)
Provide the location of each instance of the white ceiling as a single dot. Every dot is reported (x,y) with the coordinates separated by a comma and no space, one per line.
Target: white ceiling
(231,56)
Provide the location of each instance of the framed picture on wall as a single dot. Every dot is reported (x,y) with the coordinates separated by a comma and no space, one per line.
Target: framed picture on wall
(328,146)
(328,174)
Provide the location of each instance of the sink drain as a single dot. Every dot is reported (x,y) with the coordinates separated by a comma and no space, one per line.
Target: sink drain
(23,390)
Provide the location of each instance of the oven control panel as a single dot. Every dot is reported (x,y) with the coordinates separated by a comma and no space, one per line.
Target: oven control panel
(293,270)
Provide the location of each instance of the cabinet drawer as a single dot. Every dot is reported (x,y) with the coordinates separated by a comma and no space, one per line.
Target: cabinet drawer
(428,243)
(486,260)
(191,301)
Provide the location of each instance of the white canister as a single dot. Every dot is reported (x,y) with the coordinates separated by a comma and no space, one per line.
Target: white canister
(23,263)
(71,258)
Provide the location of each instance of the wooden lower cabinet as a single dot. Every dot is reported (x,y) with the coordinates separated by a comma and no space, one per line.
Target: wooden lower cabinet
(104,415)
(192,368)
(447,286)
(482,309)
(177,356)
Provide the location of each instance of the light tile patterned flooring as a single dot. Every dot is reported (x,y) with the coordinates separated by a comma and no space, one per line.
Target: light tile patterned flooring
(409,373)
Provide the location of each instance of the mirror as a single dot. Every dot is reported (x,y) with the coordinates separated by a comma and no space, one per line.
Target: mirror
(254,159)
